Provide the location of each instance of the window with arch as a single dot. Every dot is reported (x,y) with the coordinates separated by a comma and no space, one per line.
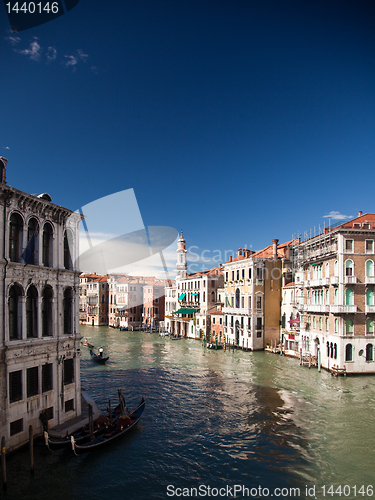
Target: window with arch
(327,270)
(336,296)
(369,352)
(320,323)
(314,323)
(327,324)
(237,297)
(15,237)
(68,245)
(370,326)
(349,297)
(331,349)
(327,349)
(47,245)
(30,254)
(32,312)
(336,325)
(47,294)
(335,351)
(349,268)
(67,306)
(15,312)
(327,296)
(348,352)
(349,326)
(370,268)
(369,297)
(336,268)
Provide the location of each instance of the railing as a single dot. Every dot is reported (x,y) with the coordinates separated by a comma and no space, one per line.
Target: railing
(350,279)
(337,309)
(369,309)
(335,280)
(316,307)
(370,280)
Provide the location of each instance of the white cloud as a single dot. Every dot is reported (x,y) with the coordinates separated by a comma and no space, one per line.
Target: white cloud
(34,51)
(336,215)
(82,56)
(51,54)
(94,69)
(13,40)
(6,147)
(71,62)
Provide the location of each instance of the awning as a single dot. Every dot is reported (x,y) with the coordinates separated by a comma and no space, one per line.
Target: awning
(182,296)
(296,320)
(185,311)
(120,308)
(317,264)
(195,294)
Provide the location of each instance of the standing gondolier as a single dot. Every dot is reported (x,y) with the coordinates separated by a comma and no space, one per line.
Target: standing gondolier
(101,352)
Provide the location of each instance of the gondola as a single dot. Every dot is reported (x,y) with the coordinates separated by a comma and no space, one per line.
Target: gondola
(82,435)
(123,425)
(97,358)
(215,346)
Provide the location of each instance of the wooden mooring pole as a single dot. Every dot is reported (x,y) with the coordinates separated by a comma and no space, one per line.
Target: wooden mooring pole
(3,463)
(31,448)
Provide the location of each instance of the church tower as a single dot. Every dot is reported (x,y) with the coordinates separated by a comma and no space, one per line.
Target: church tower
(181,257)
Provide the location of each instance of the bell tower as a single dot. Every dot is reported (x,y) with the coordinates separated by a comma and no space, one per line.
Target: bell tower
(181,257)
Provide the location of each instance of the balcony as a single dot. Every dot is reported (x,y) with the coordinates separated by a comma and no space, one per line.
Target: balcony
(369,309)
(370,280)
(259,282)
(334,280)
(316,308)
(339,309)
(350,279)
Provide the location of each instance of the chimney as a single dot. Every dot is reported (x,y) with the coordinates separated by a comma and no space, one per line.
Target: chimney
(274,248)
(359,213)
(3,169)
(239,252)
(230,258)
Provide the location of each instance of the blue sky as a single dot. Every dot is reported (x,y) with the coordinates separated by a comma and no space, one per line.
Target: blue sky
(237,121)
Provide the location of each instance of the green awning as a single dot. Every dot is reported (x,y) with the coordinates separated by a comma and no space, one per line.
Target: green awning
(121,308)
(194,294)
(317,264)
(185,311)
(182,296)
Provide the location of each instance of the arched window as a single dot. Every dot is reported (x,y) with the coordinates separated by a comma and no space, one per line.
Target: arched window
(369,352)
(349,297)
(320,323)
(68,242)
(327,270)
(15,313)
(47,245)
(349,268)
(103,299)
(47,295)
(336,296)
(32,312)
(348,352)
(349,326)
(335,351)
(15,237)
(67,306)
(336,325)
(327,349)
(370,268)
(369,297)
(370,326)
(336,267)
(327,324)
(327,296)
(30,254)
(331,350)
(237,297)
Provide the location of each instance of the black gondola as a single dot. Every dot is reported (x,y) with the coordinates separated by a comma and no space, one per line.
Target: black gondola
(122,425)
(100,425)
(97,358)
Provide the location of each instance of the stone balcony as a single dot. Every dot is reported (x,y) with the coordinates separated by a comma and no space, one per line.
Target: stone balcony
(343,309)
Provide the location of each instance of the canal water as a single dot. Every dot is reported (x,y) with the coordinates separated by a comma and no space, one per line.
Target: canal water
(213,419)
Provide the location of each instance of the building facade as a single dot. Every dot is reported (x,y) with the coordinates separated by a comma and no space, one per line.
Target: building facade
(40,340)
(335,278)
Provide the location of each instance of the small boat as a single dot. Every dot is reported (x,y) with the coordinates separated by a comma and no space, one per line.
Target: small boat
(164,334)
(82,435)
(98,358)
(122,426)
(214,346)
(86,343)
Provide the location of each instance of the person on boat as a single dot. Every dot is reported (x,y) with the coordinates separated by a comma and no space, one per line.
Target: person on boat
(101,352)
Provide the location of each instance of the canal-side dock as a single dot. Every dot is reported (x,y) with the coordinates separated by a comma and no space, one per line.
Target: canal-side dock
(72,425)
